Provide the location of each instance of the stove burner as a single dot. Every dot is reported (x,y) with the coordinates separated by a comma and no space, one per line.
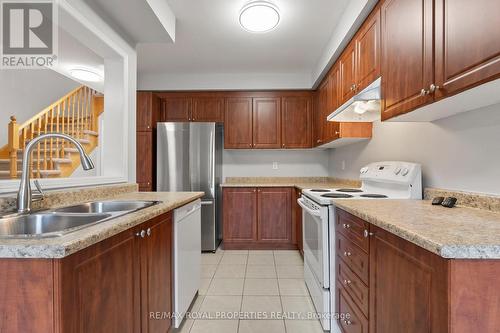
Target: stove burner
(350,190)
(373,196)
(319,190)
(336,195)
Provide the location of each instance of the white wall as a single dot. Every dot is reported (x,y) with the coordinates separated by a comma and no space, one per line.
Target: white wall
(460,152)
(291,163)
(24,93)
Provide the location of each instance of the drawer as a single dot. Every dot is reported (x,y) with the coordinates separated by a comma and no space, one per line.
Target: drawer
(354,321)
(353,286)
(355,258)
(353,228)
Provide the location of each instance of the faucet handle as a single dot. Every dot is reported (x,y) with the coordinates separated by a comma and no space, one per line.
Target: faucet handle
(41,194)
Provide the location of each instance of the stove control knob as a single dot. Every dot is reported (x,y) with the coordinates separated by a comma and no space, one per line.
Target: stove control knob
(405,172)
(364,170)
(397,171)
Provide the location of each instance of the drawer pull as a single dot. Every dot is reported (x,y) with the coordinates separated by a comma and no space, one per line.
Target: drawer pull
(141,234)
(346,282)
(347,322)
(347,254)
(367,233)
(346,226)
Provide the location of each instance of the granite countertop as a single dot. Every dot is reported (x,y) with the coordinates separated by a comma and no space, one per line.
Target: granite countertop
(298,182)
(458,233)
(60,247)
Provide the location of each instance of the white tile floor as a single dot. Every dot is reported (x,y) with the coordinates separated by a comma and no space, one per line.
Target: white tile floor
(253,290)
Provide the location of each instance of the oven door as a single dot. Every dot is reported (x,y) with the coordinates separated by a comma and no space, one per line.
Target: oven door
(315,233)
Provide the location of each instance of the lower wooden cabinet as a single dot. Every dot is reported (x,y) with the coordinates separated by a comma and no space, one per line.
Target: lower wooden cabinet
(109,287)
(409,289)
(258,218)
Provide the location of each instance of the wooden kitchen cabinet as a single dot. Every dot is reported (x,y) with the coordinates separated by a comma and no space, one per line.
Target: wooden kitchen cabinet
(367,48)
(147,108)
(321,99)
(296,122)
(110,286)
(239,215)
(297,211)
(208,109)
(467,48)
(347,64)
(274,220)
(238,120)
(267,122)
(407,55)
(145,161)
(257,218)
(176,109)
(156,272)
(408,286)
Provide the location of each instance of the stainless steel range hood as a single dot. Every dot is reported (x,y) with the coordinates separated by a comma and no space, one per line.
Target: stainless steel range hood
(363,107)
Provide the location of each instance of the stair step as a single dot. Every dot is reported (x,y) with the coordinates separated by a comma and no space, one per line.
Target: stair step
(74,134)
(34,161)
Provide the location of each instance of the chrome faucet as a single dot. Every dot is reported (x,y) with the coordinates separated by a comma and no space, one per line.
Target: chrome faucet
(24,196)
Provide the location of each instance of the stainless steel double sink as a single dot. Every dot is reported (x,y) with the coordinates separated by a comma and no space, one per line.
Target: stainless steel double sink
(61,221)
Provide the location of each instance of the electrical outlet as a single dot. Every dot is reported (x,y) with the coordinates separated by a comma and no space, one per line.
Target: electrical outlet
(275,165)
(343,164)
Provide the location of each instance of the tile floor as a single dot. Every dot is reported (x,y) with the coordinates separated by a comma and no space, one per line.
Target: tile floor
(252,292)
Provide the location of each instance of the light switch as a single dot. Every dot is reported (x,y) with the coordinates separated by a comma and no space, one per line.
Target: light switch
(275,165)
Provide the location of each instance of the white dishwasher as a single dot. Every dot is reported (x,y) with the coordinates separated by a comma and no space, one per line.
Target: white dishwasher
(187,257)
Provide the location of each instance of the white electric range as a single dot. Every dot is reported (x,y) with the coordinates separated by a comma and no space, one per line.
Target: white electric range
(380,180)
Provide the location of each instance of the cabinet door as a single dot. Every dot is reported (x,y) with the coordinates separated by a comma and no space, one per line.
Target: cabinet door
(274,220)
(298,221)
(407,285)
(156,273)
(296,122)
(238,123)
(144,111)
(208,109)
(321,100)
(100,287)
(467,44)
(407,56)
(368,51)
(176,109)
(239,214)
(267,122)
(347,65)
(330,129)
(144,160)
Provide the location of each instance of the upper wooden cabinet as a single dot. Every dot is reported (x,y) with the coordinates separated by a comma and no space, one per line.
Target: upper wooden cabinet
(208,109)
(176,109)
(467,35)
(147,108)
(347,64)
(367,42)
(407,57)
(144,161)
(267,122)
(238,123)
(296,121)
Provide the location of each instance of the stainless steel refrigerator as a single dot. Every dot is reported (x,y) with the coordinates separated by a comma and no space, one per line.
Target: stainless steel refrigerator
(189,158)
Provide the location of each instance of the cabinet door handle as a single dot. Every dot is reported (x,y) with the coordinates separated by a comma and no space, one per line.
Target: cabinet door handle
(347,322)
(367,234)
(141,234)
(346,282)
(148,232)
(346,226)
(424,92)
(347,254)
(433,88)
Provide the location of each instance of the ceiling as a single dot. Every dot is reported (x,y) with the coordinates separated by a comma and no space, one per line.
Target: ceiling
(210,42)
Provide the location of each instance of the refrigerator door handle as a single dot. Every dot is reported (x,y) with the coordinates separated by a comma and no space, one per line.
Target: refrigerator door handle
(207,203)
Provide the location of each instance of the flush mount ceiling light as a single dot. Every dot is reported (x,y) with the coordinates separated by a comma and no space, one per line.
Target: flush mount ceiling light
(85,75)
(259,16)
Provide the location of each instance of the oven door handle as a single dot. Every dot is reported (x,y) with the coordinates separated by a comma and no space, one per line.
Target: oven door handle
(300,201)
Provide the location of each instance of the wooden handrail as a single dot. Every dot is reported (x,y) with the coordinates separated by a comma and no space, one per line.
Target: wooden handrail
(73,114)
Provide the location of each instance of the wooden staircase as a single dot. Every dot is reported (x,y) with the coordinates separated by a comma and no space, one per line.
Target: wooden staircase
(75,114)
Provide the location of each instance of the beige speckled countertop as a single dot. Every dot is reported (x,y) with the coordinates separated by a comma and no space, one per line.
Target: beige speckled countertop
(459,233)
(59,247)
(298,182)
